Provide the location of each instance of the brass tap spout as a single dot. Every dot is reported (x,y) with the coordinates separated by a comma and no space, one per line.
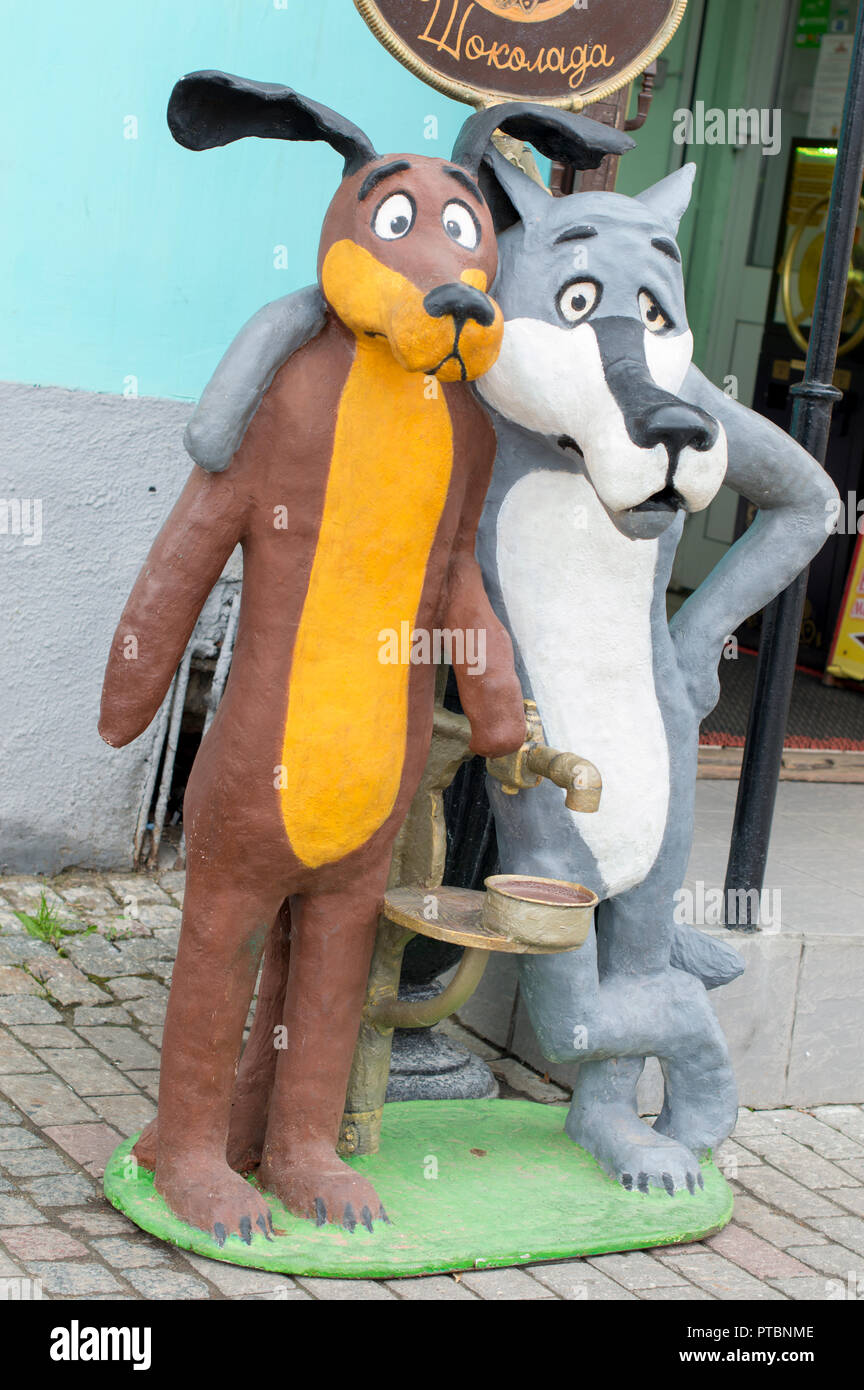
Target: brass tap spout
(535,760)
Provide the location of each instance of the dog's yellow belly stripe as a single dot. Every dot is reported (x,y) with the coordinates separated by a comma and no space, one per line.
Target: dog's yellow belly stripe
(347,718)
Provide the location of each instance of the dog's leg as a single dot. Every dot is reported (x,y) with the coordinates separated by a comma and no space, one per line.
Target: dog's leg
(222,937)
(251,1102)
(331,948)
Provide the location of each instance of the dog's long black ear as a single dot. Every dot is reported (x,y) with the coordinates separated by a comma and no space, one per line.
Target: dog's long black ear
(561,135)
(214,108)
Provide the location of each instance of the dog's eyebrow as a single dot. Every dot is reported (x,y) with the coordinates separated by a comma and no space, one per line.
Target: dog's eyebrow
(661,243)
(576,234)
(397,166)
(466,181)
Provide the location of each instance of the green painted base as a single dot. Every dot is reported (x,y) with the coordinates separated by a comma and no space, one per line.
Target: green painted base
(472,1184)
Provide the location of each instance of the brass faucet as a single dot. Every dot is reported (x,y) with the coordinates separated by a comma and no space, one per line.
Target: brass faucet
(535,760)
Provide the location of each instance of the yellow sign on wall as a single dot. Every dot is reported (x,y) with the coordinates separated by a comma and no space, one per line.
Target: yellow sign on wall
(847,653)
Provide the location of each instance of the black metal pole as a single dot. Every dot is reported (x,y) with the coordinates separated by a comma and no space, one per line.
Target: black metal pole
(812,405)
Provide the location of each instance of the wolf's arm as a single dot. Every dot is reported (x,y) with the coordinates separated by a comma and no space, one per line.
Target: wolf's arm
(793,494)
(187,558)
(236,388)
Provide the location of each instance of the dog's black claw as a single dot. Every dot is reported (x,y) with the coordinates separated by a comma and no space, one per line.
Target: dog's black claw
(382,1216)
(627,1181)
(700,1179)
(642,1182)
(668,1183)
(246,1230)
(320,1211)
(220,1233)
(366,1218)
(691,1184)
(349,1220)
(263,1225)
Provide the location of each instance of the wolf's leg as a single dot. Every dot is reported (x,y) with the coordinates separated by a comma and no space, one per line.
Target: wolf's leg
(701,1103)
(254,1084)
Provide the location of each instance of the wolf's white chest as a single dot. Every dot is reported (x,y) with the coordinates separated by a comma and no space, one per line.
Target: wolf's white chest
(578,597)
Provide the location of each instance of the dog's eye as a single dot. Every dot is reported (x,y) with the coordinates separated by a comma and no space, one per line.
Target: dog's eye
(394,218)
(461,225)
(652,315)
(577,299)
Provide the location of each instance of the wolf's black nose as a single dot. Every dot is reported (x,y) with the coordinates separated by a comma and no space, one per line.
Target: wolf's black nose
(461,302)
(679,426)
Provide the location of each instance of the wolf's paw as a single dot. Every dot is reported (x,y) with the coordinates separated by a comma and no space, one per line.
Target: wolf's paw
(323,1189)
(633,1153)
(211,1197)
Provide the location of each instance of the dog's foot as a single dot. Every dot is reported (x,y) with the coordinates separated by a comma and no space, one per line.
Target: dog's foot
(146,1147)
(632,1152)
(322,1188)
(209,1196)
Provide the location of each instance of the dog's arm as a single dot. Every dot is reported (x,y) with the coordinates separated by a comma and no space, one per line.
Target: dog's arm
(237,387)
(795,498)
(184,563)
(491,697)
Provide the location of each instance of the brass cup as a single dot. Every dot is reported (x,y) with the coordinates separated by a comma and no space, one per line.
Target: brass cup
(549,912)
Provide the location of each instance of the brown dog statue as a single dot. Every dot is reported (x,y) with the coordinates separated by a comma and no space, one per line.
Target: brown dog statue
(355,495)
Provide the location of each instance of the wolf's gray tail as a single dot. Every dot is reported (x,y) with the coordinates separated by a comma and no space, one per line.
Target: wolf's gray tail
(713,961)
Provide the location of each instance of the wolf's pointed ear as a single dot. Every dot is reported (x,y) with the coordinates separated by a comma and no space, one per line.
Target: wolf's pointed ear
(670,198)
(561,135)
(215,108)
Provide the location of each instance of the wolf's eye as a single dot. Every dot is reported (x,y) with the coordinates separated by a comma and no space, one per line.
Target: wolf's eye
(394,218)
(652,315)
(461,225)
(577,299)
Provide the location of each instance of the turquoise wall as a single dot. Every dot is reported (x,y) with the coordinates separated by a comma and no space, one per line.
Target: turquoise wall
(134,258)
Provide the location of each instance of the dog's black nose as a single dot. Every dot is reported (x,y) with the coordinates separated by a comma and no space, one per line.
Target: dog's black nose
(679,426)
(461,302)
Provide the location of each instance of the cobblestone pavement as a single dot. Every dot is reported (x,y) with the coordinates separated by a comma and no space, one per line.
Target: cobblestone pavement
(79,1063)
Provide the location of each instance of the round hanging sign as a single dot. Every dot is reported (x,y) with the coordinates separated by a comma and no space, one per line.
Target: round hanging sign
(564,52)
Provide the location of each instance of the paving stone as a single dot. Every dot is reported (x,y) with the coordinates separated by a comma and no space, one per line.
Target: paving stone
(33,1163)
(163,968)
(42,1243)
(128,1114)
(148,1011)
(27,893)
(15,1059)
(755,1255)
(808,1290)
(781,1191)
(17,1211)
(850,1198)
(848,1119)
(123,1046)
(89,1017)
(153,1034)
(97,1223)
(157,915)
(166,1284)
(845,1230)
(853,1166)
(138,887)
(478,1046)
(578,1280)
(28,1009)
(527,1082)
(441,1288)
(45,1099)
(236,1282)
(131,1254)
(46,1035)
(96,956)
(635,1270)
(169,939)
(91,1145)
(68,1278)
(18,1138)
(346,1290)
(681,1293)
(778,1230)
(830,1259)
(86,1071)
(8,1270)
(15,981)
(720,1276)
(147,1080)
(65,983)
(10,925)
(9,1115)
(24,949)
(798,1162)
(136,987)
(173,882)
(752,1122)
(88,897)
(68,1190)
(816,1134)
